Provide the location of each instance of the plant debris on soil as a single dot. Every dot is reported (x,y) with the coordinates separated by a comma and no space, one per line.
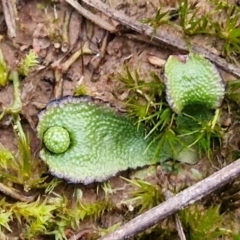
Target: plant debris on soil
(116,51)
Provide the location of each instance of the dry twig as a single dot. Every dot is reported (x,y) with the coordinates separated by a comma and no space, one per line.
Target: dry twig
(9,16)
(65,28)
(92,17)
(177,202)
(162,35)
(15,194)
(97,59)
(58,88)
(178,223)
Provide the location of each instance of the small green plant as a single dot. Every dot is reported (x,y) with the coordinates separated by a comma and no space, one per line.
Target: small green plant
(146,99)
(159,18)
(107,189)
(4,71)
(203,223)
(69,217)
(28,63)
(5,157)
(93,210)
(20,169)
(80,90)
(5,218)
(37,216)
(51,216)
(232,93)
(220,22)
(190,21)
(202,130)
(145,195)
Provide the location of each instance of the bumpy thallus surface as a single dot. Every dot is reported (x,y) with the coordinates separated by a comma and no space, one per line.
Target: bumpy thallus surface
(192,79)
(103,142)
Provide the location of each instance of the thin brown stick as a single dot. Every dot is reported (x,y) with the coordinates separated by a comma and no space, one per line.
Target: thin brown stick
(92,17)
(167,36)
(178,223)
(15,194)
(65,30)
(97,60)
(9,16)
(179,228)
(58,88)
(177,202)
(81,233)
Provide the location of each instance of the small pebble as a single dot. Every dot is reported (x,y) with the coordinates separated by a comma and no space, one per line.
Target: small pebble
(156,61)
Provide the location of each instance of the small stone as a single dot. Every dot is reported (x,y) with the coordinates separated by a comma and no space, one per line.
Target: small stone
(156,61)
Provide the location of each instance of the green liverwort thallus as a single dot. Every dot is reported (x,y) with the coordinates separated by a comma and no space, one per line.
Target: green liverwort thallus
(102,141)
(192,80)
(86,140)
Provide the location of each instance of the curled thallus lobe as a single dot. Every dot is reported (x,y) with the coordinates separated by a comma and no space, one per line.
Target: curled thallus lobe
(192,80)
(103,142)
